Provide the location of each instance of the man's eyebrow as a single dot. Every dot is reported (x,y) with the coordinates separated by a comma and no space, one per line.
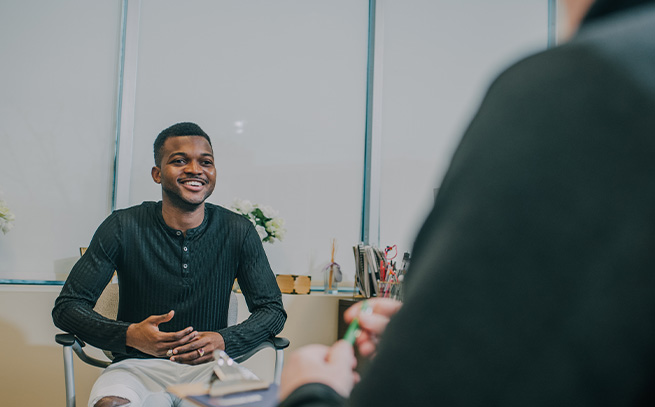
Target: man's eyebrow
(182,153)
(178,153)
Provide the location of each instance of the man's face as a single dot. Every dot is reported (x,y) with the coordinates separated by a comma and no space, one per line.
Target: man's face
(186,172)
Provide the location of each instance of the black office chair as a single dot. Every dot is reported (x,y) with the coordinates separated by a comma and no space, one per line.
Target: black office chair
(107,306)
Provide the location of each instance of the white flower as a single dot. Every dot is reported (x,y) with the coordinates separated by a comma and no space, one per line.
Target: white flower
(274,225)
(6,218)
(278,223)
(4,210)
(268,226)
(269,212)
(5,226)
(279,234)
(242,205)
(261,231)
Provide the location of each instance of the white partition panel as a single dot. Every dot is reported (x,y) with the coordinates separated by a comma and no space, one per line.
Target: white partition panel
(279,85)
(439,57)
(57,114)
(281,89)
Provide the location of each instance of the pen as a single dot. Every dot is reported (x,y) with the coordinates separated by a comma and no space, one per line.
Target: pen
(353,329)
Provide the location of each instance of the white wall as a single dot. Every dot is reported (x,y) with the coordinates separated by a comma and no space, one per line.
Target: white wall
(439,57)
(57,113)
(280,86)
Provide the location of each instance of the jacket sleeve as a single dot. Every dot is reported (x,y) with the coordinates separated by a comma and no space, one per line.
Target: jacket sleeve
(313,395)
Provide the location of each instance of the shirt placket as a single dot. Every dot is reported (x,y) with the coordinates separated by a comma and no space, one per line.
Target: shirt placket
(186,258)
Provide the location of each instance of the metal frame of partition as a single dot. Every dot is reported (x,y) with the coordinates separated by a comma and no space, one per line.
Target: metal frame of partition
(127,77)
(370,225)
(552,23)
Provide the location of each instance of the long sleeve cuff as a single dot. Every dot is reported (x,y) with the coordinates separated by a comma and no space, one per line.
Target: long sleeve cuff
(313,395)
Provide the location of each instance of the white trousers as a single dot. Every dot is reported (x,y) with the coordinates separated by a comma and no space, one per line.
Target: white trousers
(144,381)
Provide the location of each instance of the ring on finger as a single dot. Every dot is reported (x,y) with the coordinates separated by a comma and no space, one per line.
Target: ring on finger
(201,352)
(169,353)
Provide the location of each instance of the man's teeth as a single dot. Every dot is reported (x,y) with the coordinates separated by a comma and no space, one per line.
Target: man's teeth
(193,183)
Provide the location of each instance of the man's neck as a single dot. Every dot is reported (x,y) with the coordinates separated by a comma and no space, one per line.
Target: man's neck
(182,219)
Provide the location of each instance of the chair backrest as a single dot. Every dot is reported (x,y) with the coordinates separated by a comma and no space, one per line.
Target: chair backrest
(107,306)
(233,309)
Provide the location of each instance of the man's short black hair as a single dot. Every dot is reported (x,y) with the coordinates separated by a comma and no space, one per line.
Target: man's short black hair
(177,130)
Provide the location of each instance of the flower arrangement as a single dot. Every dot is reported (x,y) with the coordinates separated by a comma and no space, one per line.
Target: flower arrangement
(6,218)
(268,224)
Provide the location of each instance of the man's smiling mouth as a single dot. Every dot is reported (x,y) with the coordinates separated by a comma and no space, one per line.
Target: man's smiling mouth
(193,183)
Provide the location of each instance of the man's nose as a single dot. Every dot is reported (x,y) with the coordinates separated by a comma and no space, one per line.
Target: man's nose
(193,167)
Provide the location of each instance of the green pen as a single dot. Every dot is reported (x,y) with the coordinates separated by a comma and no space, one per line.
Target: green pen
(353,329)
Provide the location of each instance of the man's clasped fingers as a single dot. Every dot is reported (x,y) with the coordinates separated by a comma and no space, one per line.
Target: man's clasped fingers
(196,356)
(199,350)
(174,340)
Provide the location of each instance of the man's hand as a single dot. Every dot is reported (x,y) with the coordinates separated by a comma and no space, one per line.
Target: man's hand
(146,336)
(373,324)
(200,349)
(333,366)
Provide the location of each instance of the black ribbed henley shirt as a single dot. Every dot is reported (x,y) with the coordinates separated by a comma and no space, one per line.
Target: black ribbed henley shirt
(161,269)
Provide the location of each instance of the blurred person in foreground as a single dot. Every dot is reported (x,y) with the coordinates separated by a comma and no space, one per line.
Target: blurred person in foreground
(533,279)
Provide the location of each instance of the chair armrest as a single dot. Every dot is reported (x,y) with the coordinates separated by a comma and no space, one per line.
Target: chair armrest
(67,339)
(277,343)
(280,342)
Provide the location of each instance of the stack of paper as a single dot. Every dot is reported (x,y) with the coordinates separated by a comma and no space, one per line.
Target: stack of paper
(367,269)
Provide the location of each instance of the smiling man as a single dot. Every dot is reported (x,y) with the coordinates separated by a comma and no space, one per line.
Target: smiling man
(176,261)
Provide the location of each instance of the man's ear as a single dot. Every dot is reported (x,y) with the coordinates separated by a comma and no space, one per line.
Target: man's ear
(156,174)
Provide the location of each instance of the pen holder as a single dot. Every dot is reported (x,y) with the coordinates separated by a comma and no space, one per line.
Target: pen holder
(390,289)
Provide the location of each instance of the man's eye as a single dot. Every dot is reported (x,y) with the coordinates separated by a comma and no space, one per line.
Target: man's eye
(178,161)
(207,163)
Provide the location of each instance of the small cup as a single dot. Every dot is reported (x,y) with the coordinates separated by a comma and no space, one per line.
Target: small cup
(330,286)
(332,277)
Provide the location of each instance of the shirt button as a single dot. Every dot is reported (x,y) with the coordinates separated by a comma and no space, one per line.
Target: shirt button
(178,233)
(185,266)
(185,249)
